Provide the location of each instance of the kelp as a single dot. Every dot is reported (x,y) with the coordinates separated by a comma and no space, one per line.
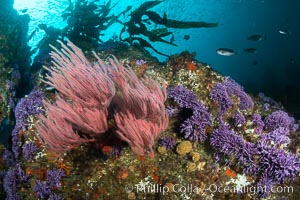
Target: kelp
(86,22)
(137,27)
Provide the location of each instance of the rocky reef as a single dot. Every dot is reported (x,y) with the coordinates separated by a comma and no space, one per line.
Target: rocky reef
(219,142)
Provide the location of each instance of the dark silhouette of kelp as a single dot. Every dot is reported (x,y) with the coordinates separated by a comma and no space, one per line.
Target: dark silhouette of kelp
(136,27)
(86,22)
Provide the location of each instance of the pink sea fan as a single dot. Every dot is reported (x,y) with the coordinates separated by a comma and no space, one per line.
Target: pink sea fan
(91,121)
(142,97)
(79,80)
(140,115)
(80,111)
(56,133)
(139,134)
(60,129)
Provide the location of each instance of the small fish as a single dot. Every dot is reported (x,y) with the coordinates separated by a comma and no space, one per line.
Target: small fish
(257,37)
(225,52)
(186,37)
(284,31)
(250,50)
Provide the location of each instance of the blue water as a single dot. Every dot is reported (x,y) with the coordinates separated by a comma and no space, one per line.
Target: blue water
(278,66)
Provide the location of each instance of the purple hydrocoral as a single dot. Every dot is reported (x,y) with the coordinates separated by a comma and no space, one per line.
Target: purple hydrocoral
(8,157)
(12,180)
(277,137)
(55,197)
(193,128)
(168,142)
(140,62)
(22,176)
(29,105)
(227,142)
(10,184)
(117,150)
(293,124)
(258,122)
(172,111)
(54,176)
(277,119)
(295,127)
(246,157)
(266,106)
(43,189)
(264,186)
(233,88)
(239,119)
(184,97)
(219,95)
(270,164)
(278,165)
(29,150)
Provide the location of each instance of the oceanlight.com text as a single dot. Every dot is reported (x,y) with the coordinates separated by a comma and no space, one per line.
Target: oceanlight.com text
(206,189)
